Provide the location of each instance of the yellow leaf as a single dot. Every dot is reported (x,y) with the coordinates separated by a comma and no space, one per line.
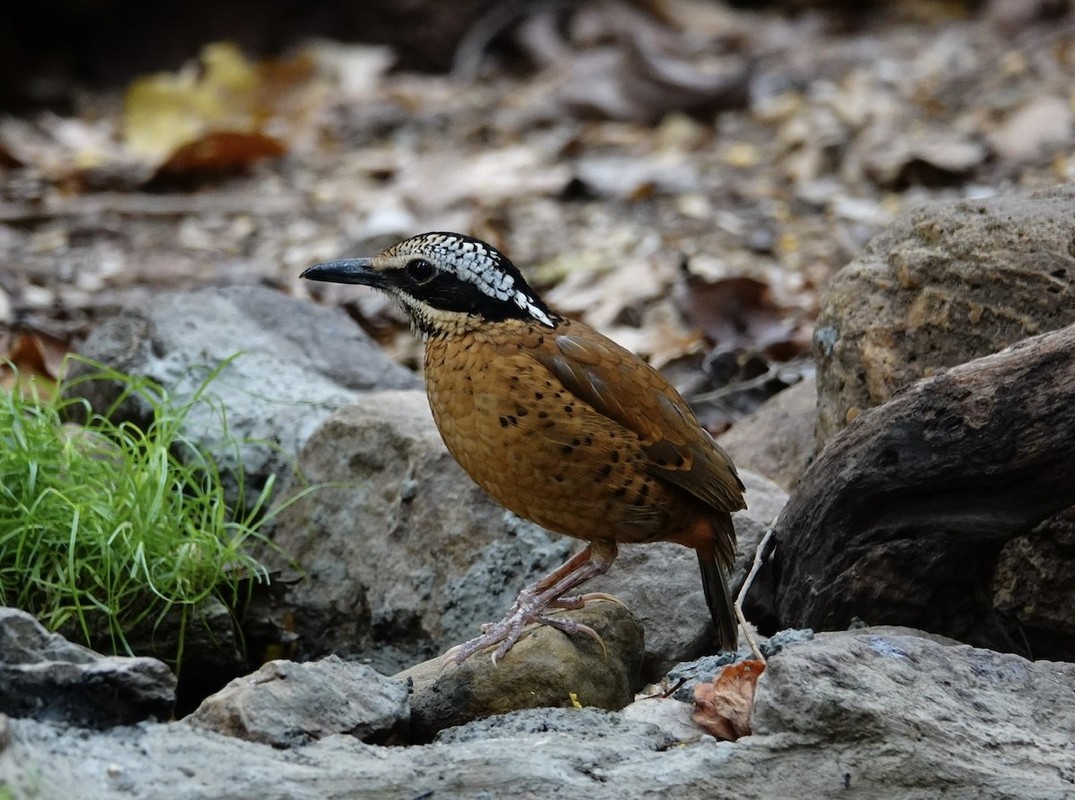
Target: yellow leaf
(165,111)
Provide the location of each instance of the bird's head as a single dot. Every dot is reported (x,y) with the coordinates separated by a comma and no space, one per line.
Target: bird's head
(446,282)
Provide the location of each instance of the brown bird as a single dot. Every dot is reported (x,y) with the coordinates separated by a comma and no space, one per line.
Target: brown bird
(558,423)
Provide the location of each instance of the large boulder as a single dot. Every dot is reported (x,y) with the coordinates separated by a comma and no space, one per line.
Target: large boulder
(284,366)
(944,284)
(901,519)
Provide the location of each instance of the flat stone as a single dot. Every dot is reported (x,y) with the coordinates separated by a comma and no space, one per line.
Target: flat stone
(44,676)
(285,704)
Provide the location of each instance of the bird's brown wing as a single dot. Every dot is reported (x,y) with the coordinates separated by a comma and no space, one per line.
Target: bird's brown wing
(622,387)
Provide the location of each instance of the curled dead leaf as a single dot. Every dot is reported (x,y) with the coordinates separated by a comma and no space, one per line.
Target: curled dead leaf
(739,313)
(33,358)
(723,707)
(224,151)
(213,115)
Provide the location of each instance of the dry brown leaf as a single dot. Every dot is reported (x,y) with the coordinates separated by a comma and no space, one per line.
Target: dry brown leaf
(215,114)
(598,286)
(723,707)
(626,64)
(167,110)
(739,314)
(224,151)
(58,147)
(37,358)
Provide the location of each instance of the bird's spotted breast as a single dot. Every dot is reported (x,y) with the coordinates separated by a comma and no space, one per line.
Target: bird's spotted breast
(542,452)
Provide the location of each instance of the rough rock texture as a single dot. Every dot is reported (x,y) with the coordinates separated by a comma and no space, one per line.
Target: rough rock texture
(954,716)
(660,583)
(44,676)
(297,362)
(670,715)
(403,555)
(901,517)
(777,440)
(285,704)
(545,669)
(944,284)
(855,715)
(1032,584)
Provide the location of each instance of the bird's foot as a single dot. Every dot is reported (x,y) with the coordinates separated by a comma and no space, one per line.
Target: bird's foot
(590,597)
(504,633)
(580,600)
(528,609)
(531,604)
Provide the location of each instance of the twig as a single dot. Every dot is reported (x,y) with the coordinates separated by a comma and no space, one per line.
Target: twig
(759,557)
(776,370)
(500,17)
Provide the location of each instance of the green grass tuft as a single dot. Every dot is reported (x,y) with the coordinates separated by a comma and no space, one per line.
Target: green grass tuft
(108,527)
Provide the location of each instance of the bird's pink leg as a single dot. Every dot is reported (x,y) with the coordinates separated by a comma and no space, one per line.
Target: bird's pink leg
(534,600)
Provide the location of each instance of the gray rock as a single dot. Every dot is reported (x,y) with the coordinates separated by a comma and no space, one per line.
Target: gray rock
(777,440)
(296,363)
(547,668)
(584,723)
(671,716)
(403,555)
(44,676)
(901,518)
(854,715)
(1033,584)
(285,704)
(660,582)
(944,284)
(934,717)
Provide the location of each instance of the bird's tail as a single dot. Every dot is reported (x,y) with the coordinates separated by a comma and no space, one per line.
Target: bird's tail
(718,596)
(719,599)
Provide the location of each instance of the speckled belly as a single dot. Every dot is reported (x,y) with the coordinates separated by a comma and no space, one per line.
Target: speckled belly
(540,451)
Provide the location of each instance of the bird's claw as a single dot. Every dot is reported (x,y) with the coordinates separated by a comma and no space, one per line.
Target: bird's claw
(571,627)
(526,610)
(504,633)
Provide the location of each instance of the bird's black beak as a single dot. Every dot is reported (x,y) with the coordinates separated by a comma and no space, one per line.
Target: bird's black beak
(347,270)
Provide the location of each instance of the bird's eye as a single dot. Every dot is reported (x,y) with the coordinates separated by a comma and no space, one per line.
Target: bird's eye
(420,271)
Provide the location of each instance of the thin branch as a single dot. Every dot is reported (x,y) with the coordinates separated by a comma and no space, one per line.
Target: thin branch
(776,371)
(759,557)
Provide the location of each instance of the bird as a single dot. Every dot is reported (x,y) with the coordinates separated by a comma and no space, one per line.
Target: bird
(559,424)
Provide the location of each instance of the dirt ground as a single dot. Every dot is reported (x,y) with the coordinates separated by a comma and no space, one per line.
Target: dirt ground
(684,176)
